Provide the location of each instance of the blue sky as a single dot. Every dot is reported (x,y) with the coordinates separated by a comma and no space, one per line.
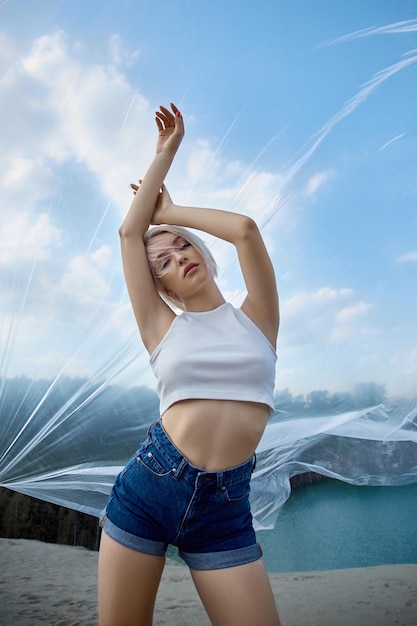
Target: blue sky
(301,114)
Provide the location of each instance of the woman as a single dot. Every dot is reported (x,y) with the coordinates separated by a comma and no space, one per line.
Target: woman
(188,484)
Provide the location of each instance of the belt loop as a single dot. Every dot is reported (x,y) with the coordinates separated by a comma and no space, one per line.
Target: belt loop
(179,470)
(151,428)
(220,481)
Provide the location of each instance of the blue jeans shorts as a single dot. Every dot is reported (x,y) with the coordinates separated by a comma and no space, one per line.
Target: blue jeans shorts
(159,498)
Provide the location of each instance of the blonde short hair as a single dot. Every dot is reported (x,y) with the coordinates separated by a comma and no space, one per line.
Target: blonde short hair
(188,236)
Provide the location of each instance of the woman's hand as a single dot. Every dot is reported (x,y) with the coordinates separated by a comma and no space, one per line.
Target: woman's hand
(170,129)
(162,206)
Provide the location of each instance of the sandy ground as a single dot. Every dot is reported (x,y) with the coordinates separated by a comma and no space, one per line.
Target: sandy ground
(56,586)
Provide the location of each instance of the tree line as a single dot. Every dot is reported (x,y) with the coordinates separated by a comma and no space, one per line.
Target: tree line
(24,517)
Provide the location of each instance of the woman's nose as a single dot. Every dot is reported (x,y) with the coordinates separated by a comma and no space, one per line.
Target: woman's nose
(180,256)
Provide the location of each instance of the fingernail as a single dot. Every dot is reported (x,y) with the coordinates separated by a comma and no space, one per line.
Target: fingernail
(178,114)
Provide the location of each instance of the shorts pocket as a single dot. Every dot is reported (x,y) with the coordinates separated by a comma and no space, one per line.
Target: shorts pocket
(237,492)
(149,460)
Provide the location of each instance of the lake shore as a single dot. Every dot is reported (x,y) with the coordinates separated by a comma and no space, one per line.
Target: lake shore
(56,585)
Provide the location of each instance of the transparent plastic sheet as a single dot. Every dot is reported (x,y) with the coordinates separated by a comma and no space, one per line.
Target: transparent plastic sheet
(76,393)
(47,458)
(373,446)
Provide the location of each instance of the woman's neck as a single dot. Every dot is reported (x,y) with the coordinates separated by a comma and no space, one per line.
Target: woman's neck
(207,300)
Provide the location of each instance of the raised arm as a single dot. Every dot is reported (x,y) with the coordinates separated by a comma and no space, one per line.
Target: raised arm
(261,303)
(152,314)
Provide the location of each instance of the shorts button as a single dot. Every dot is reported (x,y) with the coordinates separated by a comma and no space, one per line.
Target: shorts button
(223,488)
(149,454)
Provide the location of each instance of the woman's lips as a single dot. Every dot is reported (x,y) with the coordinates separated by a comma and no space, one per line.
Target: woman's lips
(189,268)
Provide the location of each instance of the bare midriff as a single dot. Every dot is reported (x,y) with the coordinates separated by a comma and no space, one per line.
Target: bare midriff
(216,434)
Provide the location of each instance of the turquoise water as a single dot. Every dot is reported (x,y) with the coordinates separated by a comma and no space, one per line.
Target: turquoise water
(333,525)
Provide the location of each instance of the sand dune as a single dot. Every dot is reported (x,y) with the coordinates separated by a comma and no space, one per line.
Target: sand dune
(54,585)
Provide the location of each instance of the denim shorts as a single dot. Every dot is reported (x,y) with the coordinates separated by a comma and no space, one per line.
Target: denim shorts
(159,498)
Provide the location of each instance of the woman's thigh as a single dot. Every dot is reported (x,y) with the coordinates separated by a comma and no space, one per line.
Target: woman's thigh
(128,582)
(237,596)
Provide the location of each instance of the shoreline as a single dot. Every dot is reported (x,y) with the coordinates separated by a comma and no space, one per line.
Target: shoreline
(55,584)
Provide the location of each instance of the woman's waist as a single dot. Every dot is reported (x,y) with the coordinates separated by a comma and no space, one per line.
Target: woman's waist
(216,434)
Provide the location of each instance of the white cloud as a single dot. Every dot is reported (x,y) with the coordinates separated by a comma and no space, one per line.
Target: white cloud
(47,58)
(325,294)
(87,279)
(403,369)
(315,182)
(306,303)
(24,237)
(371,359)
(24,182)
(119,54)
(7,53)
(20,168)
(350,313)
(326,315)
(123,322)
(59,106)
(410,257)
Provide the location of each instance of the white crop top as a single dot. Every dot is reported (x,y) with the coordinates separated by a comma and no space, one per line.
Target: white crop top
(215,355)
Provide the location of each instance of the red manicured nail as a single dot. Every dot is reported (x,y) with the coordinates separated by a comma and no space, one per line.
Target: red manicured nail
(178,114)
